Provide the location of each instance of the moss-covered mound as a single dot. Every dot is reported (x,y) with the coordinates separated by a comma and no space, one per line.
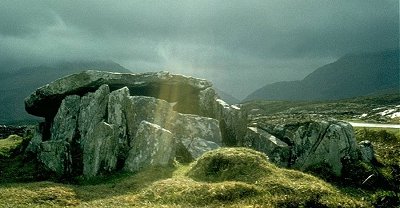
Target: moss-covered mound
(230,164)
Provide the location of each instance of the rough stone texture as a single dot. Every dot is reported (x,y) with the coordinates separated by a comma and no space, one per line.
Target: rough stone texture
(367,153)
(153,146)
(277,151)
(233,121)
(313,143)
(100,150)
(118,106)
(66,120)
(188,126)
(44,102)
(149,109)
(55,156)
(196,147)
(93,108)
(34,145)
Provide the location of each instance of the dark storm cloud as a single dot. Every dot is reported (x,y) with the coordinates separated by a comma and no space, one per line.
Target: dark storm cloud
(218,40)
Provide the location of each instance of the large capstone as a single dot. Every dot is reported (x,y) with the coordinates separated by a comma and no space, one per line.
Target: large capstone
(45,101)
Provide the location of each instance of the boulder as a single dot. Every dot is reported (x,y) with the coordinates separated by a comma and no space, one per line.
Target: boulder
(312,143)
(153,146)
(277,151)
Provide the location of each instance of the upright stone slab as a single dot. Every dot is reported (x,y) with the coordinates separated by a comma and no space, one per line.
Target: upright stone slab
(149,109)
(153,146)
(193,126)
(64,126)
(93,110)
(55,155)
(118,106)
(100,150)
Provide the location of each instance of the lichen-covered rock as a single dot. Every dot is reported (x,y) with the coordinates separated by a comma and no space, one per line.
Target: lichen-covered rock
(313,143)
(118,106)
(93,108)
(55,155)
(153,146)
(188,126)
(100,150)
(233,121)
(277,151)
(66,120)
(149,109)
(325,143)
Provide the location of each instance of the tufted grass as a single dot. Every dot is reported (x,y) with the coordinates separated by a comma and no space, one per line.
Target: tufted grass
(247,185)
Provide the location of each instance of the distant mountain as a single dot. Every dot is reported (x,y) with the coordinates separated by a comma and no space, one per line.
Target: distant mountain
(15,86)
(350,76)
(228,98)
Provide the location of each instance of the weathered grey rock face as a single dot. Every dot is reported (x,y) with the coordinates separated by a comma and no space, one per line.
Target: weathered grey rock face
(93,108)
(153,146)
(310,143)
(100,150)
(150,109)
(196,147)
(233,121)
(55,155)
(66,120)
(277,151)
(118,108)
(187,126)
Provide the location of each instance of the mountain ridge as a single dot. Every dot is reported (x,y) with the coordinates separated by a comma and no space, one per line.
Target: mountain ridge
(350,76)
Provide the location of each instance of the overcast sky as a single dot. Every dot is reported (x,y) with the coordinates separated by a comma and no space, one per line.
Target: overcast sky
(238,45)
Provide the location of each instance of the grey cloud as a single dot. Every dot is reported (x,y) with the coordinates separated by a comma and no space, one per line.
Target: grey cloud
(227,41)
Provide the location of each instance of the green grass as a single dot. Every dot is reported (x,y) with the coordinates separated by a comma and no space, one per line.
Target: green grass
(233,182)
(386,143)
(10,146)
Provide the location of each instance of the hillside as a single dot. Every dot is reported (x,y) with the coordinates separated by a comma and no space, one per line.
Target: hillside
(15,86)
(350,76)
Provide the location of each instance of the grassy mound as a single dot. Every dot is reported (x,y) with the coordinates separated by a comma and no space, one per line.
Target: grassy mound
(10,146)
(230,164)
